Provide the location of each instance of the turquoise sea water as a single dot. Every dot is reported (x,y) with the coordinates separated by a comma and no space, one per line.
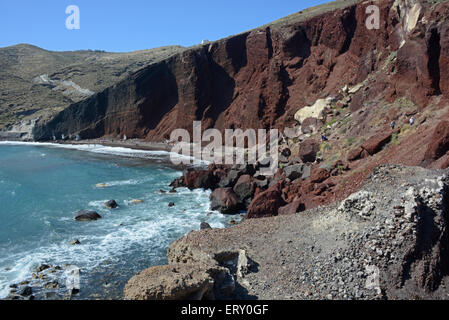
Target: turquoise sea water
(43,186)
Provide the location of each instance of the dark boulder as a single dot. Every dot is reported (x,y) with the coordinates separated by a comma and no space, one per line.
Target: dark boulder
(86,215)
(297,171)
(286,152)
(111,204)
(26,291)
(205,226)
(308,150)
(195,179)
(225,201)
(244,169)
(230,179)
(245,187)
(178,183)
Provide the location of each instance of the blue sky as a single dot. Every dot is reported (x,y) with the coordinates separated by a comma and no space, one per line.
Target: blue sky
(126,25)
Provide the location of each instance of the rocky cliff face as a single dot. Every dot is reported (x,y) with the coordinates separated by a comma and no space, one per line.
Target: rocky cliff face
(260,78)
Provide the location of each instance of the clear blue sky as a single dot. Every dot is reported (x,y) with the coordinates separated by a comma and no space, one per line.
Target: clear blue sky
(126,25)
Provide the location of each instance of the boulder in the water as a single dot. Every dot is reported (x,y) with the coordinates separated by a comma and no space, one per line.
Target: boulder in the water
(111,204)
(205,225)
(86,215)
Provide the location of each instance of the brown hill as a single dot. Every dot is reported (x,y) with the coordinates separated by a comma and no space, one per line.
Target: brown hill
(36,83)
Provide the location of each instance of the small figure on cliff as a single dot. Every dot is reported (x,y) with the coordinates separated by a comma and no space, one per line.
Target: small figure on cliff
(323,137)
(393,124)
(412,121)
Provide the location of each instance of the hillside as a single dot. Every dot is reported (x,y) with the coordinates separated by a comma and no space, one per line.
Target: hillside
(37,84)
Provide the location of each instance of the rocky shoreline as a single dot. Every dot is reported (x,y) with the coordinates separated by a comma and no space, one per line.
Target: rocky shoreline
(386,241)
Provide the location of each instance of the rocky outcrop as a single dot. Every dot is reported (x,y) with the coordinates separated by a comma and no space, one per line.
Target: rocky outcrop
(174,282)
(195,179)
(439,144)
(386,241)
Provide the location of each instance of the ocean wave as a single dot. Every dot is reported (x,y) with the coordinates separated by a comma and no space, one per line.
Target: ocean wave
(133,231)
(119,151)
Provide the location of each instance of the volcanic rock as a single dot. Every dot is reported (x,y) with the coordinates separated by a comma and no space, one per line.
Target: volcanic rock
(86,215)
(225,200)
(308,150)
(266,203)
(111,204)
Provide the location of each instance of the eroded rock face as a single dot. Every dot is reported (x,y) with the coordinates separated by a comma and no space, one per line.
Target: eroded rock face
(291,64)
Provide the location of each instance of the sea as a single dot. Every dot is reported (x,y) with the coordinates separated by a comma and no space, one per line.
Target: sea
(44,185)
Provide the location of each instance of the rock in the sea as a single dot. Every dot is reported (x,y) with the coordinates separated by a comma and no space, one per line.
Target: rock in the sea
(26,291)
(42,267)
(178,182)
(194,179)
(111,204)
(225,201)
(86,215)
(205,226)
(171,282)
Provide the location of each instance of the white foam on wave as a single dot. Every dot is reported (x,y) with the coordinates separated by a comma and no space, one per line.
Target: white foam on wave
(101,149)
(143,226)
